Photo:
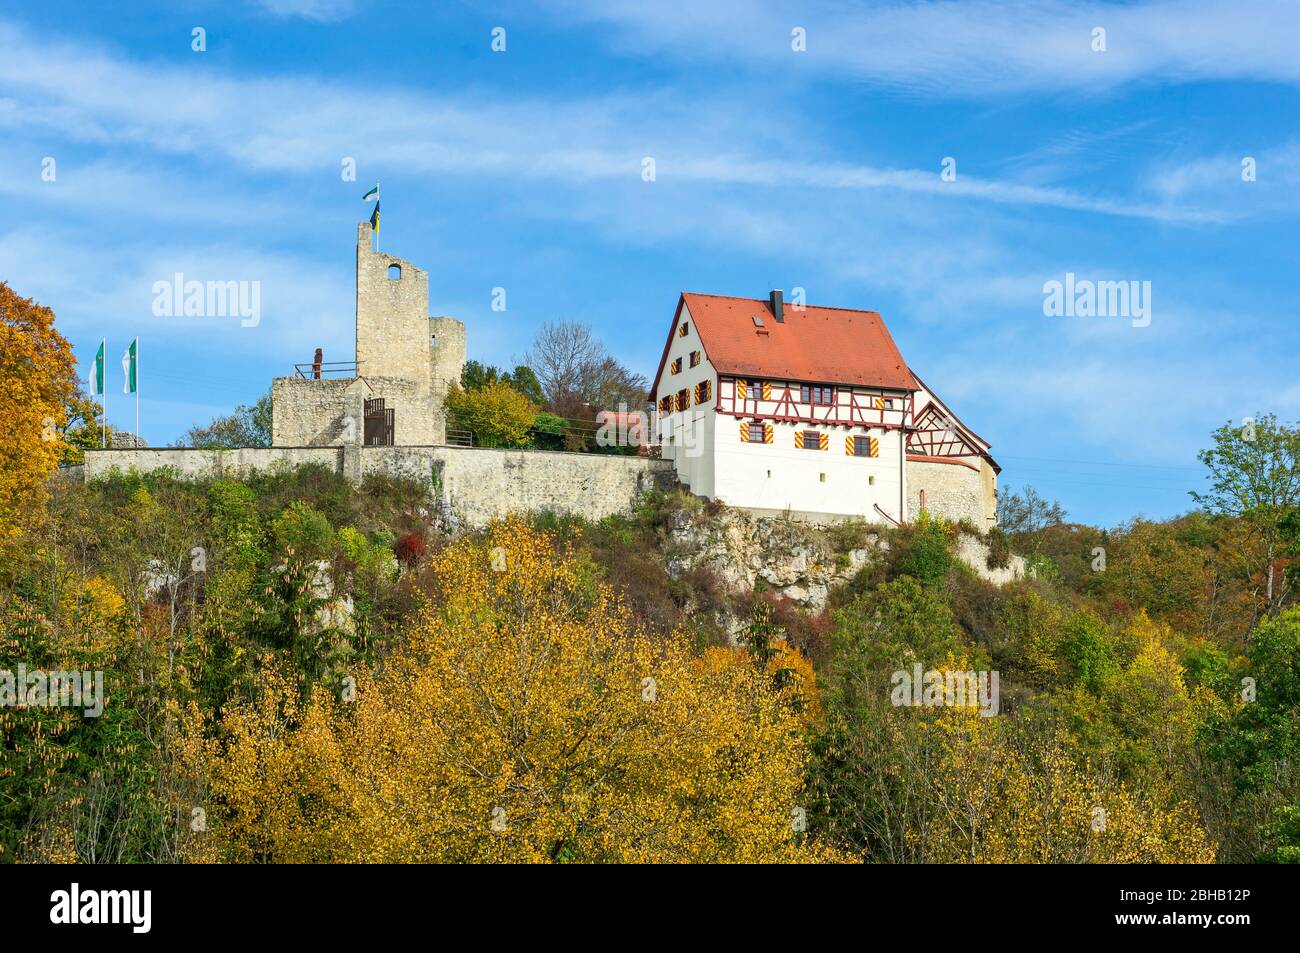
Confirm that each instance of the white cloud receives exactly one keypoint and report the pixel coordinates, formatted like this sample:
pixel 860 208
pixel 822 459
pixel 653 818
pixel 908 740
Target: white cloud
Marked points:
pixel 303 125
pixel 973 47
pixel 323 11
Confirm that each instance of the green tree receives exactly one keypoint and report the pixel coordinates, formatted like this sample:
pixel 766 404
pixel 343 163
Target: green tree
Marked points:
pixel 1255 476
pixel 476 374
pixel 248 426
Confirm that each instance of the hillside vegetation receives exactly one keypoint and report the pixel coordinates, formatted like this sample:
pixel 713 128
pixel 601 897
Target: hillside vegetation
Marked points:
pixel 299 669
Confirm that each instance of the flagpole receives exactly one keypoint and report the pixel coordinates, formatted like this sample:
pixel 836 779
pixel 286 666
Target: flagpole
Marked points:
pixel 103 392
pixel 378 196
pixel 136 368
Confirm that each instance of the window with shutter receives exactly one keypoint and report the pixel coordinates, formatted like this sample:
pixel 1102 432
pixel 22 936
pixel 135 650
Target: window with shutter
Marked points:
pixel 676 366
pixel 683 399
pixel 666 405
pixel 695 358
pixel 684 328
pixel 703 391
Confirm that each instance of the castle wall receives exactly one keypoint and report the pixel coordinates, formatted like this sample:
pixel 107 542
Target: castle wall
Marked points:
pixel 208 464
pixel 472 484
pixel 952 490
pixel 307 413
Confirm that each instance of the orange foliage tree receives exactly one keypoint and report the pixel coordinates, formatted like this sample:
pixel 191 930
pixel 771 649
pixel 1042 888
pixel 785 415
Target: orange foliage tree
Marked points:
pixel 36 382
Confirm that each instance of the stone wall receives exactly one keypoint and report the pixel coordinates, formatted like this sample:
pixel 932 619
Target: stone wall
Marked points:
pixel 471 485
pixel 204 464
pixel 952 490
pixel 478 484
pixel 307 413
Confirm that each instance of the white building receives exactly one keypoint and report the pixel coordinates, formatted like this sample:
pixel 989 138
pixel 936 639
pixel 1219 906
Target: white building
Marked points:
pixel 811 410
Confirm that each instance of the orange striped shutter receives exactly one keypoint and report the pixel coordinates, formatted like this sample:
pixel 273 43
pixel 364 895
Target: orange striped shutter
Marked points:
pixel 744 432
pixel 768 433
pixel 798 439
pixel 767 390
pixel 875 446
pixel 824 441
pixel 848 445
pixel 740 389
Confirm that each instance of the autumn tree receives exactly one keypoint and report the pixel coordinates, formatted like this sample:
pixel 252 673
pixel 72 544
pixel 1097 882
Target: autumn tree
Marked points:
pixel 528 718
pixel 36 383
pixel 497 414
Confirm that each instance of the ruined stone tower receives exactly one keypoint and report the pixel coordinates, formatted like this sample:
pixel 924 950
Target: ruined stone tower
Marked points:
pixel 405 363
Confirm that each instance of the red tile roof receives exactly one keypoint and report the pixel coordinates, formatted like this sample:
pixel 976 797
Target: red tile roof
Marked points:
pixel 827 345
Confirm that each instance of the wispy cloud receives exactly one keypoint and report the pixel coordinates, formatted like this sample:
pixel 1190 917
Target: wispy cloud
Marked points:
pixel 324 11
pixel 968 48
pixel 306 125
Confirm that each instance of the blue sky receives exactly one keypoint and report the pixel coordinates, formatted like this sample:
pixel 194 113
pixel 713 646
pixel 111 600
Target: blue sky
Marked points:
pixel 817 169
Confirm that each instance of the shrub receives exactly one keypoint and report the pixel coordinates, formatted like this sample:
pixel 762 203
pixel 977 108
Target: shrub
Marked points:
pixel 999 556
pixel 305 531
pixel 923 552
pixel 410 549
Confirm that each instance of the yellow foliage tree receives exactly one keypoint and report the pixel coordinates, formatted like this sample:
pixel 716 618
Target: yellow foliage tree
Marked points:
pixel 1000 796
pixel 528 718
pixel 498 414
pixel 36 381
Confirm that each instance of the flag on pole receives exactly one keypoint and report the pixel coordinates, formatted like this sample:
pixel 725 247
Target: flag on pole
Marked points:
pixel 128 368
pixel 374 219
pixel 372 195
pixel 97 372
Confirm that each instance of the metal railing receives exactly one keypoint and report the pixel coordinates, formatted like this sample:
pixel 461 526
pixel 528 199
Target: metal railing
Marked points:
pixel 326 369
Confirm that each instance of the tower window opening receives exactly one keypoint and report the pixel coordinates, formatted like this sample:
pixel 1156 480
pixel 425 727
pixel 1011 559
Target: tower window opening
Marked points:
pixel 394 272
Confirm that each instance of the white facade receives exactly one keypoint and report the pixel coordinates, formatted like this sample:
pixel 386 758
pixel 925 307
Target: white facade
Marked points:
pixel 790 469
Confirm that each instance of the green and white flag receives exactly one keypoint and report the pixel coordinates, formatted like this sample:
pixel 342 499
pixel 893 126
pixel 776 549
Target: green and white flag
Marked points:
pixel 97 372
pixel 372 195
pixel 128 368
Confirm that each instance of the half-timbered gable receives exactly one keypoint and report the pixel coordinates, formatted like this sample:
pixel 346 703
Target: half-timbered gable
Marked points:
pixel 775 406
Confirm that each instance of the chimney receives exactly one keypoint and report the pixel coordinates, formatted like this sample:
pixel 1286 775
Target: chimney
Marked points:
pixel 778 308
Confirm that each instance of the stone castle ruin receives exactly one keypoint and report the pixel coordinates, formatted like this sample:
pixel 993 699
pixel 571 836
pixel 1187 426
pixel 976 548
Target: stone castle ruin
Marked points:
pixel 384 413
pixel 393 393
